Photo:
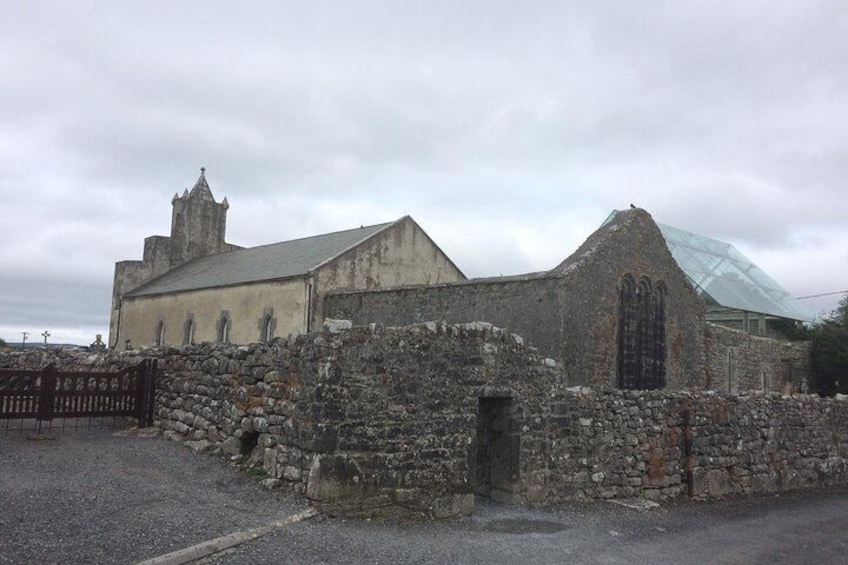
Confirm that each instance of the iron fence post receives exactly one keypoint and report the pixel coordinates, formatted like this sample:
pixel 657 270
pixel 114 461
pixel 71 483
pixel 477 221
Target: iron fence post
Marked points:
pixel 46 395
pixel 146 382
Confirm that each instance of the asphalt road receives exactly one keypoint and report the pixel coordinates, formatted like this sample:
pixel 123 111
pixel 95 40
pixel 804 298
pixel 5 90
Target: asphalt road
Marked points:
pixel 783 530
pixel 91 497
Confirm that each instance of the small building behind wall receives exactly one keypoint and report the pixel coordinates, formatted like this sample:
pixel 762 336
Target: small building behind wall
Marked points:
pixel 618 312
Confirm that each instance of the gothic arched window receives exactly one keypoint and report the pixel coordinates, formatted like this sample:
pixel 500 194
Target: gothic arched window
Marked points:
pixel 160 333
pixel 641 334
pixel 267 325
pixel 627 333
pixel 659 347
pixel 188 332
pixel 224 328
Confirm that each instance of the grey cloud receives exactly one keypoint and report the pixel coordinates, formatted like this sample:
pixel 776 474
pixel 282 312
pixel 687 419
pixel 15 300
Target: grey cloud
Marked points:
pixel 727 119
pixel 50 303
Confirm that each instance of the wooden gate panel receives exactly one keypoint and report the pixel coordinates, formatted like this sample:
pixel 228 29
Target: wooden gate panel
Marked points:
pixel 48 394
pixel 19 393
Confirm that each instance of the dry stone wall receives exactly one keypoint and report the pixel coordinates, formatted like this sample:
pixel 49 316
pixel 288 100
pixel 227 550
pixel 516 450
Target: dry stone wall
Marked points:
pixel 416 420
pixel 243 401
pixel 746 444
pixel 738 361
pixel 613 444
pixel 610 444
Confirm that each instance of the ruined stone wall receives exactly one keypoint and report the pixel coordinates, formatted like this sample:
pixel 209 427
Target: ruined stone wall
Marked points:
pixel 65 359
pixel 738 361
pixel 527 306
pixel 768 443
pixel 238 401
pixel 618 444
pixel 631 245
pixel 364 421
pixel 608 444
pixel 252 401
pixel 388 421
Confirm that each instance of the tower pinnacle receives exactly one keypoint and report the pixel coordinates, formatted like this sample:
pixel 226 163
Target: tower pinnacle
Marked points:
pixel 201 187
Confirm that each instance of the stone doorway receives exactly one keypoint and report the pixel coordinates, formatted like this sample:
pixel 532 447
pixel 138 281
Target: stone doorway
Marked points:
pixel 497 449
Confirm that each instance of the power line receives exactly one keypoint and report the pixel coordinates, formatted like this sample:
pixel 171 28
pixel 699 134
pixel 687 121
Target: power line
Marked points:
pixel 823 294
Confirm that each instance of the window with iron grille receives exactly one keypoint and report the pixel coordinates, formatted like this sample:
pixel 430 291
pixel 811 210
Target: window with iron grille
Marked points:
pixel 641 334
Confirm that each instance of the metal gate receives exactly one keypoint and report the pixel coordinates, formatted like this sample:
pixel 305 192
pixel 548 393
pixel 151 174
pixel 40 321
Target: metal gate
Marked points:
pixel 48 394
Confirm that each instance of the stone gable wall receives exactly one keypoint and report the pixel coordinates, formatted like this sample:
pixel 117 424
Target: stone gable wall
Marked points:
pixel 631 245
pixel 385 422
pixel 399 255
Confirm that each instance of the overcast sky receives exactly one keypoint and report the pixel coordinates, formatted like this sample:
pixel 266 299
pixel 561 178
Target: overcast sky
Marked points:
pixel 508 130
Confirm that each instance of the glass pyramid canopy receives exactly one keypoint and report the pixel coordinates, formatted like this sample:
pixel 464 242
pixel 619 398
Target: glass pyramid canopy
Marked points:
pixel 725 278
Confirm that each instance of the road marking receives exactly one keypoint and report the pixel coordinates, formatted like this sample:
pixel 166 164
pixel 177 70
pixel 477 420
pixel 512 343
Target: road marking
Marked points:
pixel 217 545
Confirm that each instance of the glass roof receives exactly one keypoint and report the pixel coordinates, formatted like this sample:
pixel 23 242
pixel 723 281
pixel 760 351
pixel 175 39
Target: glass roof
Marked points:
pixel 726 278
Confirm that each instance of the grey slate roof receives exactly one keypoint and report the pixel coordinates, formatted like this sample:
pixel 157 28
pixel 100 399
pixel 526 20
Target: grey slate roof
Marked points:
pixel 266 262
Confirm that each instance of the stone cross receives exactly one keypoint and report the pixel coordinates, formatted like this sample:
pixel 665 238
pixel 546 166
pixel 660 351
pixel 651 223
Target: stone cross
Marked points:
pixel 98 344
pixel 45 335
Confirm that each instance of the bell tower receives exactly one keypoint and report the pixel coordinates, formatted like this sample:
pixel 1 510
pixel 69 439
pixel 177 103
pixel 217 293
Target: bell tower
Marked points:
pixel 198 223
pixel 198 227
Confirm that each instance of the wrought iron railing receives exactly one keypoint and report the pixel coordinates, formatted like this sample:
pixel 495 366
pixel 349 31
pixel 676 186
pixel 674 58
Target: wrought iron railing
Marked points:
pixel 48 394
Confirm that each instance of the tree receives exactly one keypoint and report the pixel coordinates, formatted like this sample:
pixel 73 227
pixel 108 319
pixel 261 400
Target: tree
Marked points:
pixel 829 354
pixel 3 344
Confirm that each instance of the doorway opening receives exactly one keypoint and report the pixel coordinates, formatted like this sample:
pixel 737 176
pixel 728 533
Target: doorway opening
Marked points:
pixel 498 446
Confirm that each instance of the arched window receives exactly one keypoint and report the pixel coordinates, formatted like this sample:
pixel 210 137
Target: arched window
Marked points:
pixel 644 339
pixel 627 333
pixel 267 325
pixel 267 329
pixel 659 347
pixel 641 334
pixel 224 328
pixel 160 333
pixel 188 333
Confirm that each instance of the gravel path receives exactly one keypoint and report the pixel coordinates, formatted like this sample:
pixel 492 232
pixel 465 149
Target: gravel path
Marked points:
pixel 94 497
